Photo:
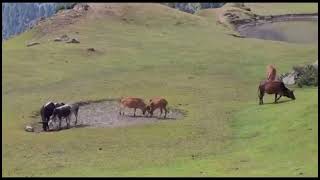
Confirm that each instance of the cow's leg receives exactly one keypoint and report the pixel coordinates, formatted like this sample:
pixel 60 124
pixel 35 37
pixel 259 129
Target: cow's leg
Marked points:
pixel 48 128
pixel 151 112
pixel 261 97
pixel 120 110
pixel 165 112
pixel 279 97
pixel 44 124
pixel 68 121
pixel 76 115
pixel 134 114
pixel 44 127
pixel 60 123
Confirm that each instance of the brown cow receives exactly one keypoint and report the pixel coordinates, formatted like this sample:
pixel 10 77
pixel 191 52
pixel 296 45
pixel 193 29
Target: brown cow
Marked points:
pixel 271 73
pixel 274 87
pixel 155 103
pixel 132 102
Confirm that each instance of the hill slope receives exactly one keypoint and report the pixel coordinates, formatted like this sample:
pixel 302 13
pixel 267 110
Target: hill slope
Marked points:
pixel 150 50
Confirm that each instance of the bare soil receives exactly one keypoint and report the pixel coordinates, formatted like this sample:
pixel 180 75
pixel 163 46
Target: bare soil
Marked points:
pixel 105 113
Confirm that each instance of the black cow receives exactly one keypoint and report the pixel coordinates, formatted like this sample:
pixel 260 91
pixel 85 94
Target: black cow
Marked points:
pixel 46 111
pixel 62 112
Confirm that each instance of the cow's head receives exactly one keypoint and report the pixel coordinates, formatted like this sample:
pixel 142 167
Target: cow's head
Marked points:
pixel 148 109
pixel 290 94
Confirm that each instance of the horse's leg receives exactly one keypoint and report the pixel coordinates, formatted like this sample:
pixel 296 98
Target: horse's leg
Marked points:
pixel 134 114
pixel 275 98
pixel 160 111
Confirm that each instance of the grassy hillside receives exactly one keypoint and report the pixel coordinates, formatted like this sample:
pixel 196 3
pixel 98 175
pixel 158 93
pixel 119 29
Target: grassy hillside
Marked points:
pixel 186 58
pixel 282 8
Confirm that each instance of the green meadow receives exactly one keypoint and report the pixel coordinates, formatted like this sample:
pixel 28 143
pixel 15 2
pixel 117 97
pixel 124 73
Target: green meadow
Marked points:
pixel 195 63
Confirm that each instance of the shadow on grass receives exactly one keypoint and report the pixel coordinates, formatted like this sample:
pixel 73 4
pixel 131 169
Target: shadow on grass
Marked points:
pixel 148 117
pixel 279 102
pixel 66 128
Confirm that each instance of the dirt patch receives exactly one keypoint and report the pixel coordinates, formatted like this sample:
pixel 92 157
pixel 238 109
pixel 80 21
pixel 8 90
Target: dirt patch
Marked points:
pixel 105 113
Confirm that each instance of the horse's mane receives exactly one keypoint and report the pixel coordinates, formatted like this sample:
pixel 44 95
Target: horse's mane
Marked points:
pixel 271 72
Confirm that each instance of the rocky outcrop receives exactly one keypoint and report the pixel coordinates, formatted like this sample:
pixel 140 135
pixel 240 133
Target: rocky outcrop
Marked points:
pixel 32 44
pixel 290 78
pixel 62 38
pixel 73 40
pixel 81 7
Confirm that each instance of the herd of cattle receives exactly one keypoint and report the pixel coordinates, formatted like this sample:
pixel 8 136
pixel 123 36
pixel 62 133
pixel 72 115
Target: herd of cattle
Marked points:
pixel 272 85
pixel 50 111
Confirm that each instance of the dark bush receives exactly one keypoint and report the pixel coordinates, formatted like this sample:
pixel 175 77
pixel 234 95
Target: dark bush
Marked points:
pixel 307 76
pixel 65 6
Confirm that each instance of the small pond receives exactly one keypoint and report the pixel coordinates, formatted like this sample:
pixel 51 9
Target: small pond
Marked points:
pixel 293 31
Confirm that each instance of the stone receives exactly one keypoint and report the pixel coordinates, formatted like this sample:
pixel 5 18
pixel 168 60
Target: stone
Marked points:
pixel 73 40
pixel 29 129
pixel 81 6
pixel 57 39
pixel 316 64
pixel 290 78
pixel 64 37
pixel 91 49
pixel 32 44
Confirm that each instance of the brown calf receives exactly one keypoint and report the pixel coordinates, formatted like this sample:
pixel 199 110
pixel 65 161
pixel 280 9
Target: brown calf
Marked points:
pixel 132 102
pixel 155 103
pixel 274 87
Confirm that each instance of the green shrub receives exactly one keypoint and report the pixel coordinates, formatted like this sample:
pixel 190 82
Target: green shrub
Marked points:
pixel 65 6
pixel 307 76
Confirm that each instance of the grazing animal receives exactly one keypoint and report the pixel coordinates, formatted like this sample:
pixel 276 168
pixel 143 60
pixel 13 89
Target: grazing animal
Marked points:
pixel 274 87
pixel 62 112
pixel 132 102
pixel 271 73
pixel 155 103
pixel 46 111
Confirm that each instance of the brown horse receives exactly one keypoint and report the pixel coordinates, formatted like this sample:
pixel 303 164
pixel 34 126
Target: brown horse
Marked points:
pixel 271 73
pixel 274 87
